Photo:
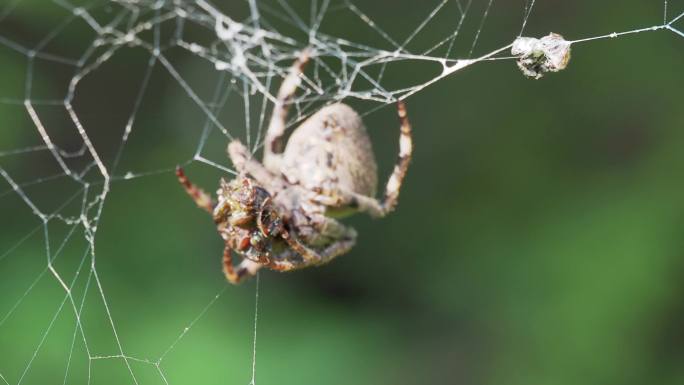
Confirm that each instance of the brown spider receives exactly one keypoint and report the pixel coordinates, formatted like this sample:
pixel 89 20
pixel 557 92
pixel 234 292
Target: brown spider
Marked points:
pixel 280 214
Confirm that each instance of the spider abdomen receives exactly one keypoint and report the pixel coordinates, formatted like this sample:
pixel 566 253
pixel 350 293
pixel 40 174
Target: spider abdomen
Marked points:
pixel 332 150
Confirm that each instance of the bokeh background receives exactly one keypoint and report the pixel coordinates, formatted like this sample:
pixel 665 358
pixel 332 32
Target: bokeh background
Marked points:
pixel 538 239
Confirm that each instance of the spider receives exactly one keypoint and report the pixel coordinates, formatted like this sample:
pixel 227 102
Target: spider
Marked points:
pixel 281 214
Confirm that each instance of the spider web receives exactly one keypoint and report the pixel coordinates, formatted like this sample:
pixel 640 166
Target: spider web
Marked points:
pixel 80 128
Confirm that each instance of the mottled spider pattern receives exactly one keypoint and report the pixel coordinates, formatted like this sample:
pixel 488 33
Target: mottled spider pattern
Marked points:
pixel 281 213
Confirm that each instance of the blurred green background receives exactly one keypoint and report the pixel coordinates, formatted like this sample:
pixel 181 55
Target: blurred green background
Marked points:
pixel 538 239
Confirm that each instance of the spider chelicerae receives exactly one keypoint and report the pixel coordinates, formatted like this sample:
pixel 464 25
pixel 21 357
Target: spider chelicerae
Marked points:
pixel 280 214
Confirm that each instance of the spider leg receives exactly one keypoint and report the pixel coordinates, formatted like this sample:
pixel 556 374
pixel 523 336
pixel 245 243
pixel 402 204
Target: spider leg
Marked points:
pixel 319 229
pixel 201 198
pixel 311 257
pixel 395 181
pixel 235 275
pixel 372 206
pixel 274 145
pixel 245 164
pixel 326 227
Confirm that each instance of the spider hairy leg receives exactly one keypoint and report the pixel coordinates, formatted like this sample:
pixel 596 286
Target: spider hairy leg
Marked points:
pixel 245 269
pixel 326 229
pixel 370 205
pixel 274 144
pixel 405 151
pixel 201 198
pixel 311 257
pixel 245 164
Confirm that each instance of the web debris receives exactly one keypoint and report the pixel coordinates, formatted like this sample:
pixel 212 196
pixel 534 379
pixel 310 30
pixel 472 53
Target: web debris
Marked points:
pixel 536 57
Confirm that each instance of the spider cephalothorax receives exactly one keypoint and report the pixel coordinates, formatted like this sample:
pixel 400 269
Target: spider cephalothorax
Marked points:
pixel 247 221
pixel 246 218
pixel 280 214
